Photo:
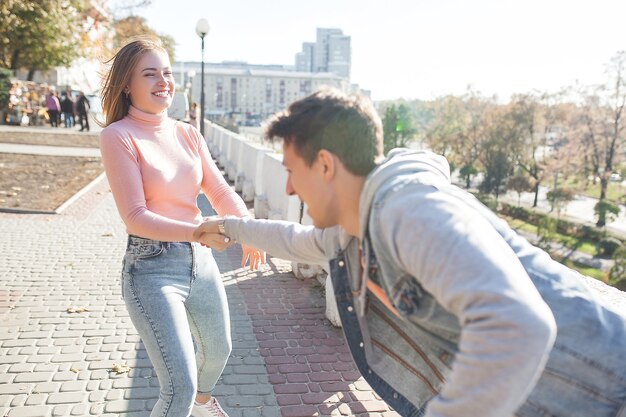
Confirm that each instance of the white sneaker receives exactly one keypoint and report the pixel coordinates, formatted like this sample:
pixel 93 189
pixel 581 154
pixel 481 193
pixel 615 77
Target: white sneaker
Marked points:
pixel 210 409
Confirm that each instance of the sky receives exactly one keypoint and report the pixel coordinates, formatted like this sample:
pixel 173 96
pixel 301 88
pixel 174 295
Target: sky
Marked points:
pixel 413 49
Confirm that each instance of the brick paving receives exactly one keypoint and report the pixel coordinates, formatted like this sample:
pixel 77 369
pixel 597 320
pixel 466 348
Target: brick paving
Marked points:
pixel 287 359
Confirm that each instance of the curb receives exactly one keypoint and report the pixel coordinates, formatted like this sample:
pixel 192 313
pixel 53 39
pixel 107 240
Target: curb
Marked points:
pixel 80 193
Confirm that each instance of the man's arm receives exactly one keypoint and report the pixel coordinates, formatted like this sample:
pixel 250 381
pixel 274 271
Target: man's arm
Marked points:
pixel 286 240
pixel 507 330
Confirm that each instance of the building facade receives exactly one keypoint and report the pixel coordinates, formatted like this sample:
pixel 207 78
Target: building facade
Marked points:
pixel 247 94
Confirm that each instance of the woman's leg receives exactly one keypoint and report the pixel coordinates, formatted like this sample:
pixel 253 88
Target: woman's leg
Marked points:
pixel 155 287
pixel 209 320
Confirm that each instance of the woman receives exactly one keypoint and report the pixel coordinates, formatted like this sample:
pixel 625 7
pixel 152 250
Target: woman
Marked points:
pixel 171 284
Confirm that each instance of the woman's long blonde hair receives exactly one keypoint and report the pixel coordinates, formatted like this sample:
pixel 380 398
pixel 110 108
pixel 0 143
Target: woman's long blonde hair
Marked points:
pixel 115 103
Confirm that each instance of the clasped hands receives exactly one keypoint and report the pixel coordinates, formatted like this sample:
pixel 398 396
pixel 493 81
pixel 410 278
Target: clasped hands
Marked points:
pixel 208 234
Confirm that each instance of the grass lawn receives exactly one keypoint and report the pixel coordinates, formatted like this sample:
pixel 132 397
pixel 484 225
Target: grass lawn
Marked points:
pixel 567 241
pixel 585 270
pixel 615 191
pixel 582 245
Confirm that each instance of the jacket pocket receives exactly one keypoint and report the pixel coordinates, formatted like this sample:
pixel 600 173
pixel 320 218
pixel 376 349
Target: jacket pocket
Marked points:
pixel 408 298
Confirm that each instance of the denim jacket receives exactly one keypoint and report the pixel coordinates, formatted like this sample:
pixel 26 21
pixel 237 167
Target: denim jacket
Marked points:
pixel 476 321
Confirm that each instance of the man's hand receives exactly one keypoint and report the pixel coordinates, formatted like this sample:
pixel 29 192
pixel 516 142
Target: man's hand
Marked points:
pixel 208 234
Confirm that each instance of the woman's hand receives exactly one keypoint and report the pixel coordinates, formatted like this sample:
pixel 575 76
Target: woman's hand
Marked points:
pixel 255 256
pixel 208 235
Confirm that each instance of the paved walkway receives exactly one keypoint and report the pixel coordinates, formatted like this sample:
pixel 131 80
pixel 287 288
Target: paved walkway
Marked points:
pixel 287 359
pixel 48 150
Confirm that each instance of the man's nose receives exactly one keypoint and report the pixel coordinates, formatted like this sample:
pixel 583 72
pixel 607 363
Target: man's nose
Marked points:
pixel 289 189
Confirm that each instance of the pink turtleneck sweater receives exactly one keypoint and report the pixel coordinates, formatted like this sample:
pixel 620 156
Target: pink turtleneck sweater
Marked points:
pixel 156 167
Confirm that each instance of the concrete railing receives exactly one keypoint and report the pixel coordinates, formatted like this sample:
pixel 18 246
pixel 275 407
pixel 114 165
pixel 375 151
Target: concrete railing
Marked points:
pixel 258 174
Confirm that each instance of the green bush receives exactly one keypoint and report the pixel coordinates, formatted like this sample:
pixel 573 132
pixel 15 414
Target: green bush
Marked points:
pixel 487 200
pixel 617 274
pixel 605 211
pixel 5 87
pixel 608 245
pixel 545 229
pixel 577 230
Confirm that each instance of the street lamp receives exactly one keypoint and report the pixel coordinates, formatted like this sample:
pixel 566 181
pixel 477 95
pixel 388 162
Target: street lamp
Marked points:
pixel 202 28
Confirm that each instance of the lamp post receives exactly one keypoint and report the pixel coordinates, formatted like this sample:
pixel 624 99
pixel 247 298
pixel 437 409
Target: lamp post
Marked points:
pixel 202 28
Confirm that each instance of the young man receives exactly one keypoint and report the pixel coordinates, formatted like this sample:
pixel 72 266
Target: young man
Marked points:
pixel 447 311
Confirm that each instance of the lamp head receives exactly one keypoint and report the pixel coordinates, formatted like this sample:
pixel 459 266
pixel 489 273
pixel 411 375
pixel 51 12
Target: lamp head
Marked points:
pixel 202 27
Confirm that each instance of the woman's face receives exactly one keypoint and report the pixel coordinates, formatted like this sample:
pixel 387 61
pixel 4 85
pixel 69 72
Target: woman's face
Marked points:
pixel 151 86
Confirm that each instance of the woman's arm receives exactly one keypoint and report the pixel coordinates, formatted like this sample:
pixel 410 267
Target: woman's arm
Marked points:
pixel 121 165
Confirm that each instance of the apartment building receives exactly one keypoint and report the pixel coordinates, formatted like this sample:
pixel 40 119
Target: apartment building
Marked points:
pixel 247 93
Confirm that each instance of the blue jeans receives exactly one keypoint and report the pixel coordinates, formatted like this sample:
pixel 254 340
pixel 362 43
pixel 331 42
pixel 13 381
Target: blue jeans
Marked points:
pixel 175 297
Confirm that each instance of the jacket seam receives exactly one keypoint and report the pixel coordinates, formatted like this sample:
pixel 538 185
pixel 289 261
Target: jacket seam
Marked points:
pixel 402 362
pixel 410 342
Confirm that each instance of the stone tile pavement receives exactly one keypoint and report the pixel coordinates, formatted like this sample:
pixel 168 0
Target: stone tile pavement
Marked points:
pixel 287 359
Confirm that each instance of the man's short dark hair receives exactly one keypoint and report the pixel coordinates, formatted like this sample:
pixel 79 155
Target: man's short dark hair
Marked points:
pixel 345 125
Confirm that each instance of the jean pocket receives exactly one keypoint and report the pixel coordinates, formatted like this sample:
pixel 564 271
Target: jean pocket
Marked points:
pixel 146 250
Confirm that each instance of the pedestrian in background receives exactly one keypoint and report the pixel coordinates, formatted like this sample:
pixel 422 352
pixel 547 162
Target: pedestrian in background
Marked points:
pixel 53 107
pixel 82 107
pixel 171 285
pixel 67 107
pixel 194 115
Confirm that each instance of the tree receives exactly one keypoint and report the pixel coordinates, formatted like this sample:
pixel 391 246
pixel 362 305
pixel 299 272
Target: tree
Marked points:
pixel 5 88
pixel 467 172
pixel 468 149
pixel 398 128
pixel 456 130
pixel 519 184
pixel 447 126
pixel 536 124
pixel 131 26
pixel 39 34
pixel 559 197
pixel 497 169
pixel 605 211
pixel 601 126
pixel 615 100
pixel 496 153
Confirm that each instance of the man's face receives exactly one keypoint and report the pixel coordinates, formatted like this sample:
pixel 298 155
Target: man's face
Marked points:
pixel 309 184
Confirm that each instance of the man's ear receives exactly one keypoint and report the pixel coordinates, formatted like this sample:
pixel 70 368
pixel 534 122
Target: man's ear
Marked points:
pixel 328 163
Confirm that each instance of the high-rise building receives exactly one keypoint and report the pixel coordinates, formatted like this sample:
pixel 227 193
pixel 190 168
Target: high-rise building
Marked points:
pixel 304 59
pixel 330 53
